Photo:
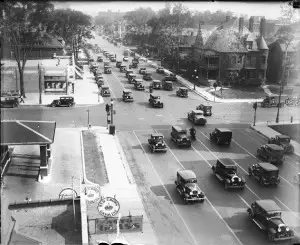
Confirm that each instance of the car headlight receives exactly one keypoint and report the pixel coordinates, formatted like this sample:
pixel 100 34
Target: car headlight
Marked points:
pixel 279 229
pixel 156 144
pixel 287 228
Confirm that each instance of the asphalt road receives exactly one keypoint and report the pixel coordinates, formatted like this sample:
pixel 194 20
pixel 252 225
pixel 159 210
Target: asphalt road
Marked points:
pixel 222 219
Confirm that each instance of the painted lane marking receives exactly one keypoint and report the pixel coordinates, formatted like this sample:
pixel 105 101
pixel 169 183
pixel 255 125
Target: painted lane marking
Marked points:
pixel 201 156
pixel 291 211
pixel 158 115
pixel 118 80
pixel 141 118
pixel 161 182
pixel 244 201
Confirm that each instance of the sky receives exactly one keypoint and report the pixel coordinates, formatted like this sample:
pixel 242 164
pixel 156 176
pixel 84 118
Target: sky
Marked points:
pixel 271 10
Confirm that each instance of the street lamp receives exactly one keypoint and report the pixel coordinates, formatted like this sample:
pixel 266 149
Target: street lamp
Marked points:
pixel 88 112
pixel 279 102
pixel 254 107
pixel 111 111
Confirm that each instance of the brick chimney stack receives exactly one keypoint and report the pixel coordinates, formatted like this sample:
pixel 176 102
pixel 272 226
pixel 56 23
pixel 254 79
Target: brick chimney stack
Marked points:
pixel 227 18
pixel 262 29
pixel 241 25
pixel 251 24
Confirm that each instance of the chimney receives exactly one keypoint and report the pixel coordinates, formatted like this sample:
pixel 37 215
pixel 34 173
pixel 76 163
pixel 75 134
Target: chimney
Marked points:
pixel 241 25
pixel 262 30
pixel 251 24
pixel 227 18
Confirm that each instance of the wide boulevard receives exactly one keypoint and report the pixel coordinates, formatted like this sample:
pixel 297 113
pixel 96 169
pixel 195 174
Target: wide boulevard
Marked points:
pixel 222 218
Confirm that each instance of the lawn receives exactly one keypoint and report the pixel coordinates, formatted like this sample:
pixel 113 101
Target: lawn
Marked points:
pixel 293 91
pixel 292 130
pixel 241 93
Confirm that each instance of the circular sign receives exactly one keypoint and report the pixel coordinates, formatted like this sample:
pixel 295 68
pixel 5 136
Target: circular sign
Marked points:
pixel 67 193
pixel 108 207
pixel 92 194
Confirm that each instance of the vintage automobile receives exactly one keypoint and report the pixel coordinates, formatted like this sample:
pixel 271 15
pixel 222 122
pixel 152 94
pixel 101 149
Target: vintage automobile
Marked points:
pixel 134 64
pixel 182 92
pixel 197 117
pixel 99 80
pixel 271 153
pixel 131 77
pixel 9 102
pixel 205 108
pixel 106 63
pixel 147 76
pixel 187 187
pixel 160 70
pixel 107 70
pixel 93 67
pixel 155 101
pixel 266 214
pixel 100 59
pixel 222 136
pixel 297 178
pixel 112 59
pixel 98 74
pixel 156 84
pixel 156 143
pixel 127 95
pixel 142 70
pixel 284 141
pixel 105 92
pixel 63 101
pixel 118 64
pixel 171 77
pixel 180 137
pixel 122 68
pixel 135 59
pixel 226 171
pixel 125 58
pixel 273 101
pixel 265 173
pixel 167 85
pixel 138 84
pixel 128 71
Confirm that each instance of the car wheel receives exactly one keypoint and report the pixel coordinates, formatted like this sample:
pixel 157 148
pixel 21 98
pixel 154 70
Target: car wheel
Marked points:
pixel 270 236
pixel 52 105
pixel 250 213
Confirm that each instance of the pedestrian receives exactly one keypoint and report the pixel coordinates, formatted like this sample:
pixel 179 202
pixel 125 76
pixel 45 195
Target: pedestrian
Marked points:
pixel 115 56
pixel 73 87
pixel 22 99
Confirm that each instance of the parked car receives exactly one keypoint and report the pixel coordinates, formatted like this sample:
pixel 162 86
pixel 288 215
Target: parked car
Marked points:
pixel 63 101
pixel 273 101
pixel 182 92
pixel 147 76
pixel 265 173
pixel 160 70
pixel 155 101
pixel 156 84
pixel 134 64
pixel 127 95
pixel 112 59
pixel 10 102
pixel 266 214
pixel 197 117
pixel 129 71
pixel 99 59
pixel 187 187
pixel 138 84
pixel 222 136
pixel 107 70
pixel 284 141
pixel 105 92
pixel 226 171
pixel 271 153
pixel 131 77
pixel 122 68
pixel 205 108
pixel 180 137
pixel 156 143
pixel 142 70
pixel 118 64
pixel 99 80
pixel 106 63
pixel 171 77
pixel 167 85
pixel 125 58
pixel 136 60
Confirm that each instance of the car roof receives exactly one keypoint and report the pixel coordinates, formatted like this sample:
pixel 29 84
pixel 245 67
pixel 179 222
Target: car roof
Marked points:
pixel 187 174
pixel 268 205
pixel 132 74
pixel 281 136
pixel 223 129
pixel 268 166
pixel 143 68
pixel 148 72
pixel 127 90
pixel 139 80
pixel 168 82
pixel 178 128
pixel 183 88
pixel 129 70
pixel 123 65
pixel 157 135
pixel 274 147
pixel 157 81
pixel 105 87
pixel 66 97
pixel 227 162
pixel 197 111
pixel 205 105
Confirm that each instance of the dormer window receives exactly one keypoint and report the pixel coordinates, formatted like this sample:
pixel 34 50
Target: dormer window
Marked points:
pixel 249 44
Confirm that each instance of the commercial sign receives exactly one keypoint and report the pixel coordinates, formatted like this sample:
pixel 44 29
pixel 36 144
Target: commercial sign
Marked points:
pixel 108 207
pixel 67 193
pixel 92 194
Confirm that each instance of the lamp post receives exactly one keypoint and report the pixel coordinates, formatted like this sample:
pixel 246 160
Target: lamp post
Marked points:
pixel 88 112
pixel 254 107
pixel 111 111
pixel 279 102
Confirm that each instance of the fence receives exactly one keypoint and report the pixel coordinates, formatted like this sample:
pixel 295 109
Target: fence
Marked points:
pixel 292 120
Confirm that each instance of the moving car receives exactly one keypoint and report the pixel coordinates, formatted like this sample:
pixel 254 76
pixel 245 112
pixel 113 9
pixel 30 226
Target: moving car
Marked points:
pixel 131 77
pixel 187 187
pixel 156 143
pixel 284 141
pixel 112 58
pixel 205 108
pixel 135 59
pixel 99 80
pixel 182 92
pixel 127 95
pixel 122 68
pixel 10 102
pixel 222 136
pixel 167 85
pixel 266 214
pixel 155 101
pixel 197 117
pixel 105 92
pixel 226 171
pixel 138 84
pixel 129 71
pixel 271 152
pixel 171 77
pixel 107 70
pixel 99 59
pixel 265 173
pixel 297 178
pixel 142 70
pixel 273 101
pixel 134 64
pixel 63 101
pixel 160 70
pixel 118 64
pixel 180 137
pixel 147 76
pixel 125 58
pixel 156 84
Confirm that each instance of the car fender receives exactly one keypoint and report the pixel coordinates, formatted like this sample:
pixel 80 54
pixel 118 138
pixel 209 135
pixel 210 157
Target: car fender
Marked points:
pixel 227 181
pixel 272 230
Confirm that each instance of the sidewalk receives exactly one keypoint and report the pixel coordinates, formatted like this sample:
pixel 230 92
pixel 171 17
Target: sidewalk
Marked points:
pixel 263 129
pixel 123 187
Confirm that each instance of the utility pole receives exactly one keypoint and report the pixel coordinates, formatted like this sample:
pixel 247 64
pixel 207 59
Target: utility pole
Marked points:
pixel 40 84
pixel 74 212
pixel 254 107
pixel 88 111
pixel 111 111
pixel 16 75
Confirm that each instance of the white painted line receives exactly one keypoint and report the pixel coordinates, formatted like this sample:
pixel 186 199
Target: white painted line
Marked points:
pixel 118 80
pixel 244 201
pixel 201 156
pixel 141 118
pixel 158 115
pixel 161 182
pixel 291 211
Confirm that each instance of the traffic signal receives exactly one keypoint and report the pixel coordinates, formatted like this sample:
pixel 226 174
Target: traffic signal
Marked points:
pixel 107 107
pixel 255 105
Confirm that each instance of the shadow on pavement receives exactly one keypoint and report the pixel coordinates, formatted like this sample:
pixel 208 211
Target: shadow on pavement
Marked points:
pixel 144 104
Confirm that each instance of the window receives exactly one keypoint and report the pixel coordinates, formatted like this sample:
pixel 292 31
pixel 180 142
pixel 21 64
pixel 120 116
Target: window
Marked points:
pixel 233 60
pixel 262 60
pixel 249 45
pixel 240 60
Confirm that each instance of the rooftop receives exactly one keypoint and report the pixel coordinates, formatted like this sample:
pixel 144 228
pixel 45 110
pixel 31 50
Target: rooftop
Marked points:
pixel 268 205
pixel 187 174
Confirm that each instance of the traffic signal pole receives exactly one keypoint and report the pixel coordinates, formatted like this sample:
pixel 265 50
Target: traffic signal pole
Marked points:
pixel 254 107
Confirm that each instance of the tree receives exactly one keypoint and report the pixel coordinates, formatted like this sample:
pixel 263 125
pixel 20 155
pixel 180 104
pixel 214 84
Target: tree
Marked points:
pixel 21 23
pixel 289 14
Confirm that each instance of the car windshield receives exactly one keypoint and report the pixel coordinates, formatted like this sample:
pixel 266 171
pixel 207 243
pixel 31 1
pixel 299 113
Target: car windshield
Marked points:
pixel 158 138
pixel 285 140
pixel 231 170
pixel 272 173
pixel 271 215
pixel 198 113
pixel 190 181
